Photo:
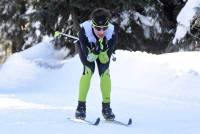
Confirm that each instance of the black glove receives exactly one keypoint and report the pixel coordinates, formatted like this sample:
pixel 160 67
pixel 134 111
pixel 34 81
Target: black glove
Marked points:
pixel 94 48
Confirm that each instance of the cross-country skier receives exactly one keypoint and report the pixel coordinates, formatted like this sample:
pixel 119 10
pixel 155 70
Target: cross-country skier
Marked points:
pixel 97 40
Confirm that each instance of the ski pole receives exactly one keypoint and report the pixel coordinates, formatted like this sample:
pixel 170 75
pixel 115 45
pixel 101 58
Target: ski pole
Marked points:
pixel 57 33
pixel 113 58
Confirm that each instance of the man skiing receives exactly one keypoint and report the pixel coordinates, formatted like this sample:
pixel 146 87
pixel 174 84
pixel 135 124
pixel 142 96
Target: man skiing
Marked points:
pixel 97 40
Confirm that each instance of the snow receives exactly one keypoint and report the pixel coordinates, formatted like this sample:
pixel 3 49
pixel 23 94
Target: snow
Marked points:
pixel 36 24
pixel 159 92
pixel 125 18
pixel 145 21
pixel 30 10
pixel 184 19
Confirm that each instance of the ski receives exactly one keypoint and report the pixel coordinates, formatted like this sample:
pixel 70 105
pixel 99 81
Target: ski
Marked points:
pixel 95 123
pixel 120 123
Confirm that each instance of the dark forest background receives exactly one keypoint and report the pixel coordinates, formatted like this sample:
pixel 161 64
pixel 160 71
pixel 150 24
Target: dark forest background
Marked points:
pixel 26 22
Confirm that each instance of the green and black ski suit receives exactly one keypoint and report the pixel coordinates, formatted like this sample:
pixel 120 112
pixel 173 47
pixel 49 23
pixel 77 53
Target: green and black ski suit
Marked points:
pixel 89 43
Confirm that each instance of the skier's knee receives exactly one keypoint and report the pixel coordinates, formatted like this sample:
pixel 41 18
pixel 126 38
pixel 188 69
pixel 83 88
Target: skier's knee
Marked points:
pixel 87 71
pixel 105 73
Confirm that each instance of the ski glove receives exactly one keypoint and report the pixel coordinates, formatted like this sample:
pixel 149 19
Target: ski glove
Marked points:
pixel 92 57
pixel 94 48
pixel 93 52
pixel 103 57
pixel 56 34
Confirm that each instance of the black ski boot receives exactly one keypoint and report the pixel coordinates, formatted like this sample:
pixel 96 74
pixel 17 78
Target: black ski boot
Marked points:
pixel 107 112
pixel 81 111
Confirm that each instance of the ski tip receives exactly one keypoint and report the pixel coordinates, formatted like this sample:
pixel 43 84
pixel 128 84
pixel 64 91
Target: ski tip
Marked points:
pixel 129 121
pixel 97 121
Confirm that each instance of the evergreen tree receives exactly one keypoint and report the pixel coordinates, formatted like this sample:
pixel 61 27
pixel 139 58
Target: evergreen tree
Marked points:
pixel 25 23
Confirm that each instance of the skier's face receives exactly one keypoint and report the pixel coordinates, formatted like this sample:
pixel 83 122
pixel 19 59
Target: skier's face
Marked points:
pixel 100 31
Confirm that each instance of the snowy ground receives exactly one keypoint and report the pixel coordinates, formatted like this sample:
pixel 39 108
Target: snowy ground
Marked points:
pixel 38 91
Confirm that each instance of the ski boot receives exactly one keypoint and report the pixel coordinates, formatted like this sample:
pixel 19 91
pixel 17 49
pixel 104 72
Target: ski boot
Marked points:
pixel 81 111
pixel 107 112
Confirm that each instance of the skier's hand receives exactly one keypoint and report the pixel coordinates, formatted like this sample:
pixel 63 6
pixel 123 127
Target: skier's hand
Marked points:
pixel 94 48
pixel 92 57
pixel 103 57
pixel 56 34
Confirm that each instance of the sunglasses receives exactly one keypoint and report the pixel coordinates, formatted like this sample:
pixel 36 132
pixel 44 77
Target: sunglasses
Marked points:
pixel 99 28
